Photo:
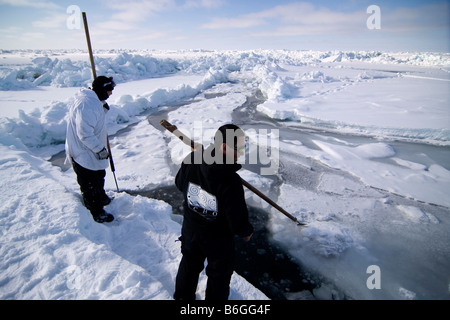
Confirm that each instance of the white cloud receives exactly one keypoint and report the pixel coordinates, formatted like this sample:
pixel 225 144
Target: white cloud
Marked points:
pixel 427 17
pixel 31 3
pixel 137 10
pixel 11 30
pixel 33 35
pixel 52 21
pixel 204 3
pixel 303 18
pixel 301 15
pixel 125 26
pixel 128 39
pixel 114 26
pixel 234 23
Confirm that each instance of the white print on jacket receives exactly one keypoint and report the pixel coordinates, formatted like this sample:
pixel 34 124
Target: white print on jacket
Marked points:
pixel 202 202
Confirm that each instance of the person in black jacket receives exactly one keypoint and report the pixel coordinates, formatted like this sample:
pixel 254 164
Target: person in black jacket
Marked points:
pixel 214 212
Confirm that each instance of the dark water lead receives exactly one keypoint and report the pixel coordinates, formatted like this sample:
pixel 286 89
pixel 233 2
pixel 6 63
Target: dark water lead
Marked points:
pixel 260 261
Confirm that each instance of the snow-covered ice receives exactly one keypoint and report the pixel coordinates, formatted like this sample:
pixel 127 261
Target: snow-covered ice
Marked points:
pixel 363 146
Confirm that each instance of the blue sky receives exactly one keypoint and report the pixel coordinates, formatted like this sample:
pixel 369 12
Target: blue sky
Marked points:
pixel 405 25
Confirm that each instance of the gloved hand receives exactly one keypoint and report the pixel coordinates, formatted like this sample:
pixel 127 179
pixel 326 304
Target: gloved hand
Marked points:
pixel 102 154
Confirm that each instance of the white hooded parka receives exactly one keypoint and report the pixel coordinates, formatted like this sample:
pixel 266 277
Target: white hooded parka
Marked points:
pixel 86 130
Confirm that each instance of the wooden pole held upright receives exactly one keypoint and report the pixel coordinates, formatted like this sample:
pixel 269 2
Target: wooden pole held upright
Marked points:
pixel 91 58
pixel 88 39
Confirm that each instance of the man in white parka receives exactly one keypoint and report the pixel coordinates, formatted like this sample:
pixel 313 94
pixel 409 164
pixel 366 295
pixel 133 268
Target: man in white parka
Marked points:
pixel 86 144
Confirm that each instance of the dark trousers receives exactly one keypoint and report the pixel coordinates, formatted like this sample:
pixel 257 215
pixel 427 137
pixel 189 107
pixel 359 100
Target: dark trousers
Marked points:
pixel 219 252
pixel 92 187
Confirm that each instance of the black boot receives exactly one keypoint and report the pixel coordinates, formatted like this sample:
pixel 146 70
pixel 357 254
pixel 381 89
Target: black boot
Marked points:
pixel 102 217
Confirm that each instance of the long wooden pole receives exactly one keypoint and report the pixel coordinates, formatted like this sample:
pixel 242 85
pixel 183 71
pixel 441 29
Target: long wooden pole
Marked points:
pixel 94 74
pixel 172 128
pixel 88 39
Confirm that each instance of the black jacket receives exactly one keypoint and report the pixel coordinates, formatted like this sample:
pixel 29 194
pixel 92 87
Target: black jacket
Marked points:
pixel 214 201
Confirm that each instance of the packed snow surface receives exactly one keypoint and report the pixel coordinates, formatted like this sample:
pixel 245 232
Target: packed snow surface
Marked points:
pixel 369 175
